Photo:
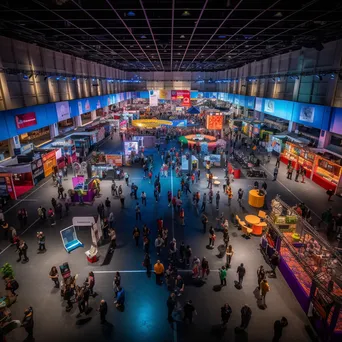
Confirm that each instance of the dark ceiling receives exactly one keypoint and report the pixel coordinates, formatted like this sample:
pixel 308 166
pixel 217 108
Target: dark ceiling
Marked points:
pixel 164 35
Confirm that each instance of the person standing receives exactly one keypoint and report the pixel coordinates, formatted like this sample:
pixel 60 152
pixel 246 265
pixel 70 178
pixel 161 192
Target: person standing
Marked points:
pixel 189 310
pixel 158 243
pixel 51 216
pixel 122 201
pixel 302 173
pixel 169 198
pixel 111 220
pixel 54 276
pixel 278 329
pixel 261 274
pixel 212 237
pixel 136 235
pixel 265 287
pixel 116 283
pixel 240 195
pixel 297 174
pixel 159 271
pixel 205 268
pixel 28 323
pixel 229 255
pixel 22 248
pixel 246 315
pixel 277 164
pixel 223 276
pixel 120 299
pixel 137 212
pixel 226 311
pixel 289 172
pixel 230 195
pixel 171 304
pixel 147 263
pixel 241 271
pixel 181 216
pixel 330 193
pixel 41 242
pixel 217 200
pixel 103 309
pixel 275 173
pixel 204 202
pixel 91 282
pixel 107 204
pixel 188 254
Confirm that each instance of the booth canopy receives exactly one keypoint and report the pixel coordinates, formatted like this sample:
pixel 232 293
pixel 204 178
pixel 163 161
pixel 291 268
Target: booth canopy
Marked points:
pixel 194 110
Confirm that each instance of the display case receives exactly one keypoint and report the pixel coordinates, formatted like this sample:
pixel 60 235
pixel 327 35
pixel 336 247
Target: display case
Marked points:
pixel 327 174
pixel 306 160
pixel 291 153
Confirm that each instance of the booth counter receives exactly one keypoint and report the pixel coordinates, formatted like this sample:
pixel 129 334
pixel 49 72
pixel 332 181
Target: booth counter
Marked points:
pixel 326 173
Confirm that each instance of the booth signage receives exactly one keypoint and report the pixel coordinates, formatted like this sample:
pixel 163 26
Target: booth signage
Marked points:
pixel 153 98
pixel 25 120
pixel 86 221
pixel 179 123
pixel 37 170
pixel 114 159
pixel 183 95
pixel 63 110
pixel 214 122
pixel 307 114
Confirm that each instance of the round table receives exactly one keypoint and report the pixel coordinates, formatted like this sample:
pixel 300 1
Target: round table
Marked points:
pixel 255 200
pixel 217 183
pixel 252 219
pixel 215 178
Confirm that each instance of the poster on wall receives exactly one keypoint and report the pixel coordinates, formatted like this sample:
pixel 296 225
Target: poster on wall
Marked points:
pixel 269 106
pixel 164 94
pixel 63 110
pixel 182 97
pixel 214 122
pixel 114 159
pixel 87 106
pixel 37 170
pixel 307 114
pixel 153 94
pixel 80 107
pixel 25 120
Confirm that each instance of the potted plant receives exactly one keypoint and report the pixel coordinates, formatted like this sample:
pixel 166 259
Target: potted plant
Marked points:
pixel 7 271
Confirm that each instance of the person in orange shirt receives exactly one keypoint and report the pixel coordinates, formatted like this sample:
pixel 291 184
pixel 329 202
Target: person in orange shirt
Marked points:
pixel 230 195
pixel 159 271
pixel 181 216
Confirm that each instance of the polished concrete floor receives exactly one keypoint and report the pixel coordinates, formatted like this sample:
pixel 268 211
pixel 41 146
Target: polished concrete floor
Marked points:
pixel 144 317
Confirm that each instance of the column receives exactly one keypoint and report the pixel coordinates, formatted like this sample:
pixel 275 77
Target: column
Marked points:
pixel 54 130
pixel 78 121
pixel 324 139
pixel 14 145
pixel 93 115
pixel 292 126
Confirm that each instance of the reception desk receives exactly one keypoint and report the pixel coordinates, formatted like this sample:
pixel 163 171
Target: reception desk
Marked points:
pixel 255 200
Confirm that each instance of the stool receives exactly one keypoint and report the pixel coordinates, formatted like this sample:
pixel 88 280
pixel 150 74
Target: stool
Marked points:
pixel 217 183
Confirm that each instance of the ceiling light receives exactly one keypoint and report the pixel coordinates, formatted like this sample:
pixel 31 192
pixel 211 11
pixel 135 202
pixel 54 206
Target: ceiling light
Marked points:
pixel 222 37
pixel 147 46
pixel 131 14
pixel 180 46
pixel 25 77
pixel 143 36
pixel 278 15
pixel 182 36
pixel 186 14
pixel 332 76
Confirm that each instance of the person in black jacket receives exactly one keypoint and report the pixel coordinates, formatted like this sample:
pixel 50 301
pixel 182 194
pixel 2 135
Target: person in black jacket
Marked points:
pixel 226 311
pixel 28 323
pixel 103 311
pixel 171 303
pixel 22 248
pixel 278 328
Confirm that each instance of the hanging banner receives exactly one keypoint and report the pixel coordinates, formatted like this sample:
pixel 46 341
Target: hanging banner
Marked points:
pixel 63 110
pixel 182 97
pixel 25 120
pixel 307 114
pixel 153 98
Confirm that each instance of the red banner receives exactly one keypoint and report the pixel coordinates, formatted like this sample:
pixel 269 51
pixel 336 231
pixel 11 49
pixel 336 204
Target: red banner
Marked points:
pixel 26 120
pixel 183 95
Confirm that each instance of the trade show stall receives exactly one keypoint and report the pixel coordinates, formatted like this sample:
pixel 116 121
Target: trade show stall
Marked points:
pixel 84 190
pixel 310 265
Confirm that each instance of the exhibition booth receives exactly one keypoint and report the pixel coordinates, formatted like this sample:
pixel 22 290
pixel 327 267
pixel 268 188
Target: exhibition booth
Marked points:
pixel 84 190
pixel 200 141
pixel 66 149
pixel 310 266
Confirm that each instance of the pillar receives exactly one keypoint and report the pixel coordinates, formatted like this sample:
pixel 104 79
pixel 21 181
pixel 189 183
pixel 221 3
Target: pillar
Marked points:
pixel 93 115
pixel 78 121
pixel 54 130
pixel 14 145
pixel 292 126
pixel 324 139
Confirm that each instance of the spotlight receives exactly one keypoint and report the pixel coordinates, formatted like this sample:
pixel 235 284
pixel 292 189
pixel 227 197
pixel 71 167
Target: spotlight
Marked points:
pixel 332 76
pixel 57 78
pixel 74 78
pixel 279 79
pixel 93 79
pixel 25 77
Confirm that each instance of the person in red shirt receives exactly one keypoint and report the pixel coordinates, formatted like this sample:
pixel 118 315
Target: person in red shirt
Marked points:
pixel 174 202
pixel 181 216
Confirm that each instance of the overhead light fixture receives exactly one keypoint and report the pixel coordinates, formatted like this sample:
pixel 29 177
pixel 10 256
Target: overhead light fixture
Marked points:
pixel 279 79
pixel 319 77
pixel 278 15
pixel 131 14
pixel 25 77
pixel 57 78
pixel 222 36
pixel 143 37
pixel 74 78
pixel 182 36
pixel 186 14
pixel 332 76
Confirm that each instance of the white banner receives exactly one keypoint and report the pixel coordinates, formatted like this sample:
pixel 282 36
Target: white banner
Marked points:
pixel 154 98
pixel 307 114
pixel 63 110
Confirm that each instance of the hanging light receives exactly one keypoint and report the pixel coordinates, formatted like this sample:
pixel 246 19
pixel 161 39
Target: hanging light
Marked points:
pixel 186 14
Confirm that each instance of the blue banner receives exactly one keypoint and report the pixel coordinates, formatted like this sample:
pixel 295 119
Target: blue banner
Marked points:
pixel 179 123
pixel 311 115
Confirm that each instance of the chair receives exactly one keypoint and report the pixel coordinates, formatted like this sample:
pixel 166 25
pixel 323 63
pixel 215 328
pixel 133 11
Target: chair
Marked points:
pixel 246 231
pixel 262 214
pixel 240 223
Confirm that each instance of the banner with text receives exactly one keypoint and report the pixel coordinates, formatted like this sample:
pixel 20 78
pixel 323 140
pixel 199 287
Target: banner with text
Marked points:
pixel 182 97
pixel 153 98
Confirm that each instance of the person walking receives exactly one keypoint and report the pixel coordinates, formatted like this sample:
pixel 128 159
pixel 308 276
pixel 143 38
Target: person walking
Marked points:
pixel 41 242
pixel 241 271
pixel 204 223
pixel 158 243
pixel 51 216
pixel 171 304
pixel 229 255
pixel 120 299
pixel 275 173
pixel 246 315
pixel 212 237
pixel 205 268
pixel 54 276
pixel 107 204
pixel 28 323
pixel 261 275
pixel 240 195
pixel 223 276
pixel 265 288
pixel 302 173
pixel 330 193
pixel 137 212
pixel 297 174
pixel 182 216
pixel 143 198
pixel 159 271
pixel 136 235
pixel 91 282
pixel 111 220
pixel 204 202
pixel 116 283
pixel 278 328
pixel 217 198
pixel 103 309
pixel 230 195
pixel 189 310
pixel 147 263
pixel 277 164
pixel 226 311
pixel 22 250
pixel 289 172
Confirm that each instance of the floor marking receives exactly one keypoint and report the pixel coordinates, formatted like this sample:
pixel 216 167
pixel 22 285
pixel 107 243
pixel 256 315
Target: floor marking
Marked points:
pixel 35 190
pixel 289 191
pixel 32 224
